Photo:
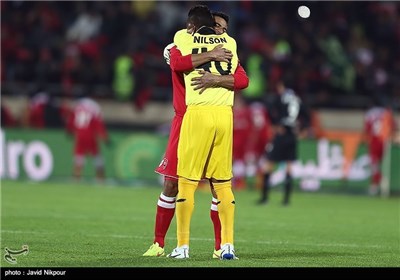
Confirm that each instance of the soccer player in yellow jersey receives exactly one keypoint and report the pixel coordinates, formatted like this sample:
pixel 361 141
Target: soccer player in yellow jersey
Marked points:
pixel 205 144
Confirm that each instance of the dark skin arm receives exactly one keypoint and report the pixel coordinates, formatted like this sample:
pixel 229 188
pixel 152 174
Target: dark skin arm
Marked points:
pixel 208 80
pixel 238 80
pixel 216 54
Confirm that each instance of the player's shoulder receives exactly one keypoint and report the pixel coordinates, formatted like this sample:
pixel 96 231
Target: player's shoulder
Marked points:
pixel 181 34
pixel 229 38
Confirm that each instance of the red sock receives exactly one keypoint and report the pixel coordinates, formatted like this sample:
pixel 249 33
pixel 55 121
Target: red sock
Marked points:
pixel 216 222
pixel 165 213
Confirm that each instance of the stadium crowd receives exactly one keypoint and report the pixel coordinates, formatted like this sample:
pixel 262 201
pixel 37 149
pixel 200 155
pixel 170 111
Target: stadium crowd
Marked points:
pixel 343 54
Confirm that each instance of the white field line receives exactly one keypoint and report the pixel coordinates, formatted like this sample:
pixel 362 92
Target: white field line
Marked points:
pixel 344 245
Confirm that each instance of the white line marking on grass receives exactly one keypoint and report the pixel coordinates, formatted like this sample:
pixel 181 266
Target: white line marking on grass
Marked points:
pixel 209 239
pixel 321 244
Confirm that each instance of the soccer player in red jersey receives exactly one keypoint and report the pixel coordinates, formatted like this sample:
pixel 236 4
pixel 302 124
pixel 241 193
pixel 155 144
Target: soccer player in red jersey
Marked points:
pixel 242 127
pixel 379 128
pixel 168 166
pixel 87 125
pixel 260 135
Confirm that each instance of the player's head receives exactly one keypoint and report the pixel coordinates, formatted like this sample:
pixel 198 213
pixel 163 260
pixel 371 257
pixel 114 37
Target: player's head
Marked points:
pixel 221 22
pixel 199 16
pixel 285 82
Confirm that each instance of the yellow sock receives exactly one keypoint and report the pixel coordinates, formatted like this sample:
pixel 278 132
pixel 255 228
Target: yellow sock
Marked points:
pixel 184 209
pixel 226 210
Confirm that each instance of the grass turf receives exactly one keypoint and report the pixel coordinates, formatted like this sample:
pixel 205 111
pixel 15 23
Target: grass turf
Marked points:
pixel 86 225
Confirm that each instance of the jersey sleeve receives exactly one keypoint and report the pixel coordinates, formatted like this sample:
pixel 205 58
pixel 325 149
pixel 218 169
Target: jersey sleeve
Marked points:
pixel 241 81
pixel 180 63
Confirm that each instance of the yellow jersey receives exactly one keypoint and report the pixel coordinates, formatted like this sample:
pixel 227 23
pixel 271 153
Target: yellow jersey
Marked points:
pixel 199 43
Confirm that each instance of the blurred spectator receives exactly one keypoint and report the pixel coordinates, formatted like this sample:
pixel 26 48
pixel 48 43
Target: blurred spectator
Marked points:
pixel 85 26
pixel 344 51
pixel 87 126
pixel 34 115
pixel 124 80
pixel 7 118
pixel 45 111
pixel 255 68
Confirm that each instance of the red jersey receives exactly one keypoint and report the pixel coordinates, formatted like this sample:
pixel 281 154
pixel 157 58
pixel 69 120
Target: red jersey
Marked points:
pixel 87 125
pixel 379 124
pixel 179 64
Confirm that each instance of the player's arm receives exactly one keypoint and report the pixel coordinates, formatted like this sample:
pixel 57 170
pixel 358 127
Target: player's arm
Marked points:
pixel 217 54
pixel 180 63
pixel 238 80
pixel 305 121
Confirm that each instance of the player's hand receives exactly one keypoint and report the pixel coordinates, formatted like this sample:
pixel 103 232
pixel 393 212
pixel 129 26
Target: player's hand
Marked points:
pixel 167 54
pixel 221 54
pixel 206 80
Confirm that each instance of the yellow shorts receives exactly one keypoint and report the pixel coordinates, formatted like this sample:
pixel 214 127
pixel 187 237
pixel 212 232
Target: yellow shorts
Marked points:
pixel 205 143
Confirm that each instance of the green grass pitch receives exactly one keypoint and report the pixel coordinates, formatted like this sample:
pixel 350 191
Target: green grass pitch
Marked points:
pixel 86 225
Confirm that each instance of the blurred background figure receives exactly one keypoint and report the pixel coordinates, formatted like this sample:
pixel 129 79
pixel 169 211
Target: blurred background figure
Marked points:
pixel 34 115
pixel 7 118
pixel 242 124
pixel 379 131
pixel 260 135
pixel 44 110
pixel 86 124
pixel 285 112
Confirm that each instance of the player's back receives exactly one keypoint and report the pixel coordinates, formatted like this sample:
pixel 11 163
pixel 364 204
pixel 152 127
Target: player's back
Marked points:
pixel 287 108
pixel 87 120
pixel 379 123
pixel 202 41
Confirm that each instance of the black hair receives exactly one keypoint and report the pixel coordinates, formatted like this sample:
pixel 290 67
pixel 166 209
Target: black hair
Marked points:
pixel 222 15
pixel 200 15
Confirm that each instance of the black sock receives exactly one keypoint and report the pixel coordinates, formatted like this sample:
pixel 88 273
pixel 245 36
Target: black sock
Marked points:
pixel 265 190
pixel 288 189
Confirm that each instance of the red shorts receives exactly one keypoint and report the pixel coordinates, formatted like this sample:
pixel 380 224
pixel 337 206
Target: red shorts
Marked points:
pixel 376 150
pixel 86 147
pixel 169 163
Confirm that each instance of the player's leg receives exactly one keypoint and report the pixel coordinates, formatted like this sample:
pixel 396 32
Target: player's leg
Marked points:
pixel 93 150
pixel 164 215
pixel 267 169
pixel 289 154
pixel 79 162
pixel 239 174
pixel 226 212
pixel 376 154
pixel 288 184
pixel 166 201
pixel 99 166
pixel 219 168
pixel 195 142
pixel 184 209
pixel 216 223
pixel 273 153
